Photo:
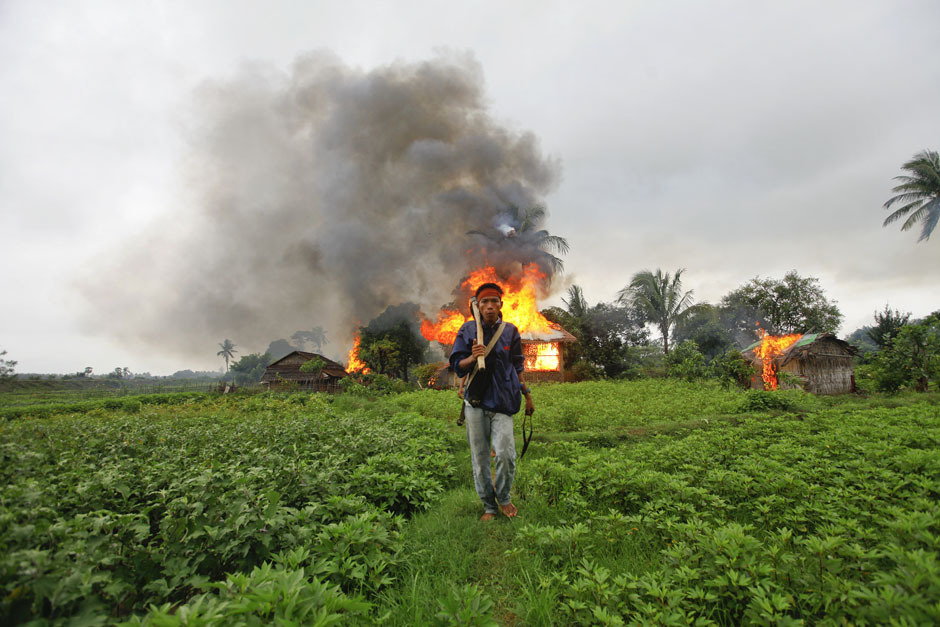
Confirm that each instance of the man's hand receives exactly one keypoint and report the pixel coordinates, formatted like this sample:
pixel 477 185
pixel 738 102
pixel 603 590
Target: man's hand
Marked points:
pixel 529 407
pixel 476 350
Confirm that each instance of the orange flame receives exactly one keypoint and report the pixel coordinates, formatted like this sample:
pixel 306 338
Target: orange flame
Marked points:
pixel 520 306
pixel 772 346
pixel 542 356
pixel 355 364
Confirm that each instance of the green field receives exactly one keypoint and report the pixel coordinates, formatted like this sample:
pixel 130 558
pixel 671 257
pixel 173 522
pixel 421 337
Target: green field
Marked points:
pixel 649 502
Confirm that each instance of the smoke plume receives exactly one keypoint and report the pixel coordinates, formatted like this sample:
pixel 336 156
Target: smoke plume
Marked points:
pixel 318 197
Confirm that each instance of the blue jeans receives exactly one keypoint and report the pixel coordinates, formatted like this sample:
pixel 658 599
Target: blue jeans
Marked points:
pixel 486 429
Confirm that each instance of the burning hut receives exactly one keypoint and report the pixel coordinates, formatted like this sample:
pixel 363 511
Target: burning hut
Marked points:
pixel 286 371
pixel 544 353
pixel 821 362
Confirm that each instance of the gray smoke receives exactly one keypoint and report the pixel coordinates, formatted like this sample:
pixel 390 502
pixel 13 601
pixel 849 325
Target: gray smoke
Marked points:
pixel 320 196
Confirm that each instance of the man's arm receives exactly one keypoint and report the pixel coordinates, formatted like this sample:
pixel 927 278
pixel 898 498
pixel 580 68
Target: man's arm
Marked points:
pixel 518 362
pixel 465 353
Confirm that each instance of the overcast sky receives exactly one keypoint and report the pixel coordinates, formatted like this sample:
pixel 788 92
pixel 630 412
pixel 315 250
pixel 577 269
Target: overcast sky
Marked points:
pixel 734 139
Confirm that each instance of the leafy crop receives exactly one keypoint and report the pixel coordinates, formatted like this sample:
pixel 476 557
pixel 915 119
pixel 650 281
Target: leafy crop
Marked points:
pixel 831 518
pixel 109 512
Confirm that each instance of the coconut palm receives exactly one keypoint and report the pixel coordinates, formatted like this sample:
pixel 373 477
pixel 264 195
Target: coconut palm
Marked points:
pixel 660 299
pixel 576 304
pixel 919 193
pixel 228 352
pixel 521 229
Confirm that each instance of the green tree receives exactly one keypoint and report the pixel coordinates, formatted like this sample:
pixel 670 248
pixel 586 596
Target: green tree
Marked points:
pixel 520 229
pixel 703 325
pixel 685 361
pixel 792 305
pixel 7 367
pixel 887 325
pixel 392 341
pixel 604 333
pixel 250 368
pixel 228 352
pixel 660 298
pixel 378 352
pixel 912 358
pixel 918 194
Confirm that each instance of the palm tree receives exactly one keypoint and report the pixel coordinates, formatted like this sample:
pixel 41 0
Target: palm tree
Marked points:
pixel 660 298
pixel 576 304
pixel 919 193
pixel 521 229
pixel 228 352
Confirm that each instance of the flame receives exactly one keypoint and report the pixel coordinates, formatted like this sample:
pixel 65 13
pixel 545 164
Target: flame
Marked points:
pixel 355 364
pixel 770 347
pixel 445 330
pixel 542 356
pixel 519 304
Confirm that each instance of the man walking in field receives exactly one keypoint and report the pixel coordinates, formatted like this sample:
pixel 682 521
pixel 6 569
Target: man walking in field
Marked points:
pixel 491 398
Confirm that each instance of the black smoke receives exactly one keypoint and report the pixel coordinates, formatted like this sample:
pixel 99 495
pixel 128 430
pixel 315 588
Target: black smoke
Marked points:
pixel 320 196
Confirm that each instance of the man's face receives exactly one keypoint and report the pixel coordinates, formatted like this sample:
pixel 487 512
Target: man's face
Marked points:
pixel 489 308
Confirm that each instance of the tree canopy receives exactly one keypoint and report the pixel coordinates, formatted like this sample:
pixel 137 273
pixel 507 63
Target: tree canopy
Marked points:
pixel 660 298
pixel 918 193
pixel 791 305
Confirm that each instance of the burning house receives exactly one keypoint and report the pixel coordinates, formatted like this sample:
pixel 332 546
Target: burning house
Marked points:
pixel 286 371
pixel 820 363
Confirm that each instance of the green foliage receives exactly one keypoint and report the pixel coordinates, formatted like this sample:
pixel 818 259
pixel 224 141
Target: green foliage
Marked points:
pixel 115 512
pixel 315 365
pixel 918 193
pixel 703 324
pixel 912 358
pixel 732 368
pixel 822 519
pixel 6 367
pixel 791 305
pixel 887 325
pixel 426 372
pixel 392 343
pixel 466 605
pixel 660 298
pixel 772 400
pixel 250 368
pixel 685 361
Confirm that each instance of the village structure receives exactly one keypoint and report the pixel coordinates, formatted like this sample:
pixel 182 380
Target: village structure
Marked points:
pixel 286 372
pixel 819 363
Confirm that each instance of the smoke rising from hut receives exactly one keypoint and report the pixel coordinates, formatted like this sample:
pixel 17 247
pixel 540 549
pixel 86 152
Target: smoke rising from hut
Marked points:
pixel 320 196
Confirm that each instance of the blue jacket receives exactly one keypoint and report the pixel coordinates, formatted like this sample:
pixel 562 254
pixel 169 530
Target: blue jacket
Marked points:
pixel 503 365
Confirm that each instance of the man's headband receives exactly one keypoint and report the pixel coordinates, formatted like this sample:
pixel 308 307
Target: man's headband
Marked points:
pixel 489 292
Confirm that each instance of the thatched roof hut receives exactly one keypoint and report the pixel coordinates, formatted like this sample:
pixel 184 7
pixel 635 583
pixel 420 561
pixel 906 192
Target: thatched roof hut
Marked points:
pixel 821 362
pixel 286 372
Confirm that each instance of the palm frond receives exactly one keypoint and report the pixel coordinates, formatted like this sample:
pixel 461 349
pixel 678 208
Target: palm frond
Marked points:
pixel 900 213
pixel 930 220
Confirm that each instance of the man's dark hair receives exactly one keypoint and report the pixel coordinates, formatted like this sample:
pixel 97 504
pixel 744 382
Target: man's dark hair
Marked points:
pixel 492 286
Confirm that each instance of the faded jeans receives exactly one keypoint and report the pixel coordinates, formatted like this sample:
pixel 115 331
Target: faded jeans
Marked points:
pixel 487 429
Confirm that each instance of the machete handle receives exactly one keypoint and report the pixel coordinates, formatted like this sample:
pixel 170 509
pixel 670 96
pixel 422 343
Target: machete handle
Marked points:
pixel 481 363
